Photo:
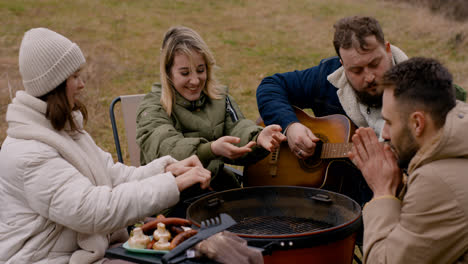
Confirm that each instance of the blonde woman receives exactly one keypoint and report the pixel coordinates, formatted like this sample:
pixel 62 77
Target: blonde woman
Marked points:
pixel 189 113
pixel 63 198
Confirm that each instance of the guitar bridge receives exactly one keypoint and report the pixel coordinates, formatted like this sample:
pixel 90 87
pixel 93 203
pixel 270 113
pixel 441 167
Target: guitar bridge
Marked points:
pixel 273 170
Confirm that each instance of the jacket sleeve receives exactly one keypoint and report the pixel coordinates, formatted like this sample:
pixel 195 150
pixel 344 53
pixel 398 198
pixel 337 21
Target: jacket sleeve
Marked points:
pixel 425 228
pixel 120 173
pixel 157 136
pixel 59 192
pixel 277 93
pixel 247 131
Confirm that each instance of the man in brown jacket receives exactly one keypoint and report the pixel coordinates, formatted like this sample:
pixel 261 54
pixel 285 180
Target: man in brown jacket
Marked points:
pixel 425 128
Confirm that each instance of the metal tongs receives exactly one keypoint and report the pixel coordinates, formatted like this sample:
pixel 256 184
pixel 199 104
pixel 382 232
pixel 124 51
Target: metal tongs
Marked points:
pixel 208 228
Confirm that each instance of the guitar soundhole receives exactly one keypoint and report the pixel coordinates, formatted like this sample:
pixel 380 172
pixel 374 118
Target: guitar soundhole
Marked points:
pixel 310 164
pixel 322 137
pixel 314 161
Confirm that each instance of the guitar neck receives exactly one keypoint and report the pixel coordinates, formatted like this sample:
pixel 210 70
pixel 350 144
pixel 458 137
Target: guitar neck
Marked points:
pixel 335 150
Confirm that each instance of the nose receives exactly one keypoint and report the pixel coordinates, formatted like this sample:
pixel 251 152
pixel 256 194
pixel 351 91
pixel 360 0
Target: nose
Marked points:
pixel 385 132
pixel 81 82
pixel 194 80
pixel 369 76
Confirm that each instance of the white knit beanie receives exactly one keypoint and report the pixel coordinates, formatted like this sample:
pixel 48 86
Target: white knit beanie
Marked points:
pixel 46 59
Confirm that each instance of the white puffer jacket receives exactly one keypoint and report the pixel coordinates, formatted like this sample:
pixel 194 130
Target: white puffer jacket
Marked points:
pixel 63 198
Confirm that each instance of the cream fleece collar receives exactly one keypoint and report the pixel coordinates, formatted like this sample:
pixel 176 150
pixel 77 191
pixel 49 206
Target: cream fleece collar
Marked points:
pixel 349 101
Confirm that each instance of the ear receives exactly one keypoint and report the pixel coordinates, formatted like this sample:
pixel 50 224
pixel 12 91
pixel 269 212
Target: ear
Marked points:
pixel 341 61
pixel 387 47
pixel 417 123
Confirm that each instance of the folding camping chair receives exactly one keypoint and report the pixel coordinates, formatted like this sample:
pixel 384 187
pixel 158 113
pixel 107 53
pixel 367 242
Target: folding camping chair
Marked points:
pixel 129 108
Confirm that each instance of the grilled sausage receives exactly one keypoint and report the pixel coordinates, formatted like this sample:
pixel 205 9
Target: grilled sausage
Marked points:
pixel 175 230
pixel 182 237
pixel 149 227
pixel 151 219
pixel 160 216
pixel 150 244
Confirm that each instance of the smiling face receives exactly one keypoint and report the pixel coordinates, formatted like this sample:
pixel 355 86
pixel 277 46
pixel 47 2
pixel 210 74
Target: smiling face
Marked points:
pixel 364 69
pixel 188 75
pixel 75 84
pixel 396 130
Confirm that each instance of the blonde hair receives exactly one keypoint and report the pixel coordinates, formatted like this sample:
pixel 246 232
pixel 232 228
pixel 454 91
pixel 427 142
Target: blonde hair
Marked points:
pixel 187 41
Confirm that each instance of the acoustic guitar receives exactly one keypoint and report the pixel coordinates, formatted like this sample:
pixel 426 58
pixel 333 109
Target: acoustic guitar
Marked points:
pixel 327 168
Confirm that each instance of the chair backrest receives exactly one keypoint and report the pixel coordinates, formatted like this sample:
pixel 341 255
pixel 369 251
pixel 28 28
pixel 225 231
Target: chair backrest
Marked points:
pixel 130 105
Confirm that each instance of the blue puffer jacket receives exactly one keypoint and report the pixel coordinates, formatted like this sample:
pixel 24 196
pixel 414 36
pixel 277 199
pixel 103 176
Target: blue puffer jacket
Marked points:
pixel 305 89
pixel 309 88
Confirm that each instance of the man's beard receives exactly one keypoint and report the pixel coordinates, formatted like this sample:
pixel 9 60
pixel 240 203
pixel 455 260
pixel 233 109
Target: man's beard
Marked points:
pixel 408 150
pixel 368 99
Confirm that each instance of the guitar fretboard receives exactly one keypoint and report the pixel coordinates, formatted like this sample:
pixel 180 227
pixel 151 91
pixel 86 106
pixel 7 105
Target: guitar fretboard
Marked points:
pixel 335 150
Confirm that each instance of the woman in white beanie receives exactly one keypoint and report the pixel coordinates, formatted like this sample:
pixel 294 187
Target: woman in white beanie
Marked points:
pixel 63 198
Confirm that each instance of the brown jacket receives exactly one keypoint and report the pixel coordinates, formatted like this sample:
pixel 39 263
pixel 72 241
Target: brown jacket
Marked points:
pixel 430 223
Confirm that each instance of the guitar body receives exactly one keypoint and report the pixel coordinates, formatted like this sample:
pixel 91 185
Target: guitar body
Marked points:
pixel 282 167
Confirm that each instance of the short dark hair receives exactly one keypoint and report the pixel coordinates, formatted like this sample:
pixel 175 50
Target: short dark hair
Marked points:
pixel 422 83
pixel 59 110
pixel 350 30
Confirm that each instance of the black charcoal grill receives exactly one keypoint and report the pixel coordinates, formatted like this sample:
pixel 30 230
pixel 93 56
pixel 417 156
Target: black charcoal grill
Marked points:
pixel 296 221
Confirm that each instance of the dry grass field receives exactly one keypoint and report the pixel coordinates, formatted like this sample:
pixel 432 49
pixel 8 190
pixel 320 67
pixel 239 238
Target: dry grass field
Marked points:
pixel 250 40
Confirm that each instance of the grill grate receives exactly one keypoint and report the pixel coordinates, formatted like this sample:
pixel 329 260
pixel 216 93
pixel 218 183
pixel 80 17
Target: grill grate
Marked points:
pixel 277 225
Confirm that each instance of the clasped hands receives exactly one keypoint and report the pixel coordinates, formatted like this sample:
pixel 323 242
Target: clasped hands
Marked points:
pixel 376 161
pixel 269 138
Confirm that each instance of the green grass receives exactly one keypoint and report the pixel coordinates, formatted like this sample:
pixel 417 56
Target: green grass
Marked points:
pixel 250 40
pixel 16 8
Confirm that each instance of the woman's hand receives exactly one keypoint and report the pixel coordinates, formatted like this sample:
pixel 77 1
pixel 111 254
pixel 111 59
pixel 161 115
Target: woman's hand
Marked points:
pixel 271 137
pixel 180 167
pixel 193 176
pixel 188 172
pixel 223 146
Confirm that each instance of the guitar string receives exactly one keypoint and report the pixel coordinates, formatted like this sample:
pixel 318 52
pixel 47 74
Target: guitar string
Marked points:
pixel 335 150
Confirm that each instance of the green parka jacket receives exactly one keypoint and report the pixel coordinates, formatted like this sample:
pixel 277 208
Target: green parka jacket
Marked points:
pixel 191 129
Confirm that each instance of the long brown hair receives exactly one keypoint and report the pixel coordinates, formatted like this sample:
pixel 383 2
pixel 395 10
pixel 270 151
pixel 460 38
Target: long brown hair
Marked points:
pixel 187 41
pixel 59 111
